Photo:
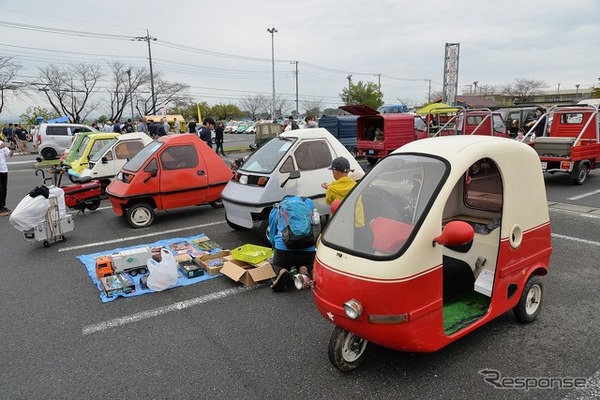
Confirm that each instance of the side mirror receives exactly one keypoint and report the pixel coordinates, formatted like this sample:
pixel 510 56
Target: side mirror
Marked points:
pixel 455 233
pixel 153 169
pixel 104 160
pixel 295 174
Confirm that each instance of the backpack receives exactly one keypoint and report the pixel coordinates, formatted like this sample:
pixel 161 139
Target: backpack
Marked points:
pixel 294 223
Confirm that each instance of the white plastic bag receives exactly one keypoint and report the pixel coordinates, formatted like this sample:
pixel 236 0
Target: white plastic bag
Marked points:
pixel 29 213
pixel 163 274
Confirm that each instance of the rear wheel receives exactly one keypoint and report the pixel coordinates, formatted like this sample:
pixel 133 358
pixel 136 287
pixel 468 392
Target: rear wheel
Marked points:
pixel 93 205
pixel 372 160
pixel 263 231
pixel 582 174
pixel 346 350
pixel 48 153
pixel 140 215
pixel 530 303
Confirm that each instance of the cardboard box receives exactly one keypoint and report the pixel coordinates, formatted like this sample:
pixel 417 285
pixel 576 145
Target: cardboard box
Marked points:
pixel 247 274
pixel 188 266
pixel 210 262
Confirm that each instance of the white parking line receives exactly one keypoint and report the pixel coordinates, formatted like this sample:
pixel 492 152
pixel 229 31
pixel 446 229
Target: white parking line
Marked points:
pixel 578 240
pixel 581 196
pixel 181 305
pixel 127 239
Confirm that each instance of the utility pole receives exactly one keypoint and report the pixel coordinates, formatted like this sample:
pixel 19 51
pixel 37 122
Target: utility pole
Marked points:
pixel 147 39
pixel 428 91
pixel 296 62
pixel 130 93
pixel 378 83
pixel 273 31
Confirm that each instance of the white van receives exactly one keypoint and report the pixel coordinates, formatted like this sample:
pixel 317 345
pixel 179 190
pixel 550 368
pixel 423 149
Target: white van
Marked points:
pixel 106 163
pixel 294 163
pixel 53 139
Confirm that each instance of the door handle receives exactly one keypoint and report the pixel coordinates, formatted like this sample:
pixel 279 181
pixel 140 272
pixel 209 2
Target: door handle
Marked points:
pixel 201 172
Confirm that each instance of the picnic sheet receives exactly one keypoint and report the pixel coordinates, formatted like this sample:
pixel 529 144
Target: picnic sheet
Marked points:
pixel 188 245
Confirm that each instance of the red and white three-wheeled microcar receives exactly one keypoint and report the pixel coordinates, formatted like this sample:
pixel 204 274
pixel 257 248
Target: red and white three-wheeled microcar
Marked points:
pixel 439 238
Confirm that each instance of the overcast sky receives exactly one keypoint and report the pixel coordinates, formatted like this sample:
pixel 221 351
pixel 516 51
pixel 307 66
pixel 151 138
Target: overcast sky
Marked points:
pixel 222 49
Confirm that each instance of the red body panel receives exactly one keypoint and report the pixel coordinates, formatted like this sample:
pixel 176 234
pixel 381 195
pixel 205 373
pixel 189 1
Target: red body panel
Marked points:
pixel 420 296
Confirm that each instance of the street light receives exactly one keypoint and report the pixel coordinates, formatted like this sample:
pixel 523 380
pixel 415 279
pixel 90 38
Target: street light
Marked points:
pixel 349 77
pixel 273 31
pixel 576 91
pixel 475 87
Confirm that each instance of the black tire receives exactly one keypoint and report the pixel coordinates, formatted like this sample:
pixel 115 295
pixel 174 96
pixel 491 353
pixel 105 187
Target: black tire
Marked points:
pixel 530 303
pixel 263 231
pixel 235 226
pixel 346 350
pixel 46 243
pixel 93 205
pixel 354 152
pixel 48 153
pixel 372 160
pixel 140 215
pixel 217 203
pixel 582 173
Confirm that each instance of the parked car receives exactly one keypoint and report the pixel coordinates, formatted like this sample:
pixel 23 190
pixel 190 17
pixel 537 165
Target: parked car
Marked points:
pixel 53 139
pixel 295 162
pixel 172 172
pixel 108 161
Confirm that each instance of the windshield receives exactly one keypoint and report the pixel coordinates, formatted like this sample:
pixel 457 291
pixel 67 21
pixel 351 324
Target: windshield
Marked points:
pixel 84 144
pixel 140 158
pixel 102 150
pixel 378 216
pixel 267 157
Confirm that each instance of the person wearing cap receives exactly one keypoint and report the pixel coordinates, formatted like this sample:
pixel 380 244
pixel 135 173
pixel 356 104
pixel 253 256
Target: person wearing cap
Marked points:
pixel 342 183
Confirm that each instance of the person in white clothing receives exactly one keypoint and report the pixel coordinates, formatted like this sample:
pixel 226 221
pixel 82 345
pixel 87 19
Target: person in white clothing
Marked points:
pixel 4 153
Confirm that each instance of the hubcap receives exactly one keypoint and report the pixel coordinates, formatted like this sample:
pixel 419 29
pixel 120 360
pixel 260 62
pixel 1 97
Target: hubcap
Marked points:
pixel 533 299
pixel 353 347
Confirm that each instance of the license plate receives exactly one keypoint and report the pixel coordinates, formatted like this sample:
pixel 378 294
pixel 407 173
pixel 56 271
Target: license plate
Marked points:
pixel 544 165
pixel 371 152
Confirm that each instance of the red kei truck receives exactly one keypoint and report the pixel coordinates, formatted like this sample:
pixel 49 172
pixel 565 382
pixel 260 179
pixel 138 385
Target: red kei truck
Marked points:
pixel 422 252
pixel 377 135
pixel 173 171
pixel 473 121
pixel 573 142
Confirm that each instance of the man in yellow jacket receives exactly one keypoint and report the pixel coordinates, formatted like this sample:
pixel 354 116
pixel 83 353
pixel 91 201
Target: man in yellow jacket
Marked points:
pixel 342 183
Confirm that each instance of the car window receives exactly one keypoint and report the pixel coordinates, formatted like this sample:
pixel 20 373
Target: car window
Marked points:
pixel 97 145
pixel 84 144
pixel 140 158
pixel 126 150
pixel 483 186
pixel 314 154
pixel 268 156
pixel 179 157
pixel 57 131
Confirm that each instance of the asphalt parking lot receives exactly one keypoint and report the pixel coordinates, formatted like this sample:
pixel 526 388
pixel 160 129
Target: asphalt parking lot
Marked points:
pixel 217 339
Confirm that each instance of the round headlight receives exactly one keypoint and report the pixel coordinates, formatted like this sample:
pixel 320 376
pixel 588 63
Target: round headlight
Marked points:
pixel 353 309
pixel 244 179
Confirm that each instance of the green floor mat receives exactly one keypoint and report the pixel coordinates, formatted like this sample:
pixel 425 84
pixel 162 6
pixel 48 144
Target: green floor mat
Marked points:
pixel 462 312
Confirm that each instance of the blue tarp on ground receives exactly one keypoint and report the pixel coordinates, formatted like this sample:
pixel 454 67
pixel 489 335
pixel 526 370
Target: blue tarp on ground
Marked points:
pixel 89 261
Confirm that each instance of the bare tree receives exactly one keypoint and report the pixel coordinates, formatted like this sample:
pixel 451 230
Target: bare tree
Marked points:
pixel 254 103
pixel 165 92
pixel 282 104
pixel 313 107
pixel 524 90
pixel 8 70
pixel 68 89
pixel 124 82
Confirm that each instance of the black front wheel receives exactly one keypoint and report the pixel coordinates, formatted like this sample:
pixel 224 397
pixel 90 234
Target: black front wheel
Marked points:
pixel 217 203
pixel 346 350
pixel 93 204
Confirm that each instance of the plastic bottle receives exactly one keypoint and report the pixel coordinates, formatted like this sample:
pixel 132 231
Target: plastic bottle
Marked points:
pixel 316 218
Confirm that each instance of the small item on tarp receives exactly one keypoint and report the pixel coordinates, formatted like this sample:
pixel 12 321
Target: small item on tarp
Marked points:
pixel 163 274
pixel 115 284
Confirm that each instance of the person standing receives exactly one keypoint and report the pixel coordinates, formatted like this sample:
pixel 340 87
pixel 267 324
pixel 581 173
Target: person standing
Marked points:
pixel 540 128
pixel 117 126
pixel 4 153
pixel 311 122
pixel 142 126
pixel 219 138
pixel 176 126
pixel 205 131
pixel 192 126
pixel 166 125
